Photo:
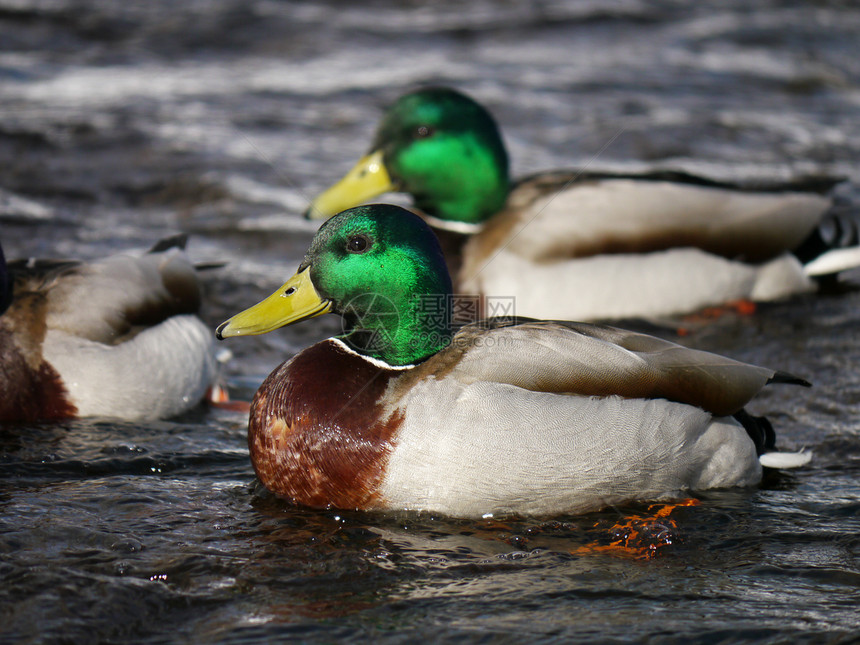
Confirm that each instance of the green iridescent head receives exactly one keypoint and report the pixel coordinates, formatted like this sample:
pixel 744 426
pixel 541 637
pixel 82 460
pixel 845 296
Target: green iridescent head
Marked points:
pixel 438 145
pixel 381 268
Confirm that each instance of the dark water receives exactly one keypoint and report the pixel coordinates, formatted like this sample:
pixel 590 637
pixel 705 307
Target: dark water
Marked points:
pixel 122 122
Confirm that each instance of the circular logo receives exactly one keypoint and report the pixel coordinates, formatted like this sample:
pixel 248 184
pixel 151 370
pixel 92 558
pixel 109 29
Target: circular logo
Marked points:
pixel 371 320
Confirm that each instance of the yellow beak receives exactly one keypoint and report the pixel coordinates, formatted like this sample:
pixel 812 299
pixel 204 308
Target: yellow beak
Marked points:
pixel 296 300
pixel 367 179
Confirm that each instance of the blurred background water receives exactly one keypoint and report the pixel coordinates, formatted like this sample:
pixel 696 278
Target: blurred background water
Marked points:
pixel 124 122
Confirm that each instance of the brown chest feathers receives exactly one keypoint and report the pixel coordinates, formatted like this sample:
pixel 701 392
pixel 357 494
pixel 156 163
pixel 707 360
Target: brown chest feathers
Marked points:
pixel 30 389
pixel 318 434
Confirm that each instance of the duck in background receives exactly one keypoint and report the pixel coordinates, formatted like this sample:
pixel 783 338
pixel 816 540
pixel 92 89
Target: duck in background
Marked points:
pixel 504 416
pixel 118 337
pixel 580 245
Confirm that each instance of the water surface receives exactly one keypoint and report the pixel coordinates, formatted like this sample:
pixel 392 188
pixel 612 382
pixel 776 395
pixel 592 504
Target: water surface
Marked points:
pixel 123 122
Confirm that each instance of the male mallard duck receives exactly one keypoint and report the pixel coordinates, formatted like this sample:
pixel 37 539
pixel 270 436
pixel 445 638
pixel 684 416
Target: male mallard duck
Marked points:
pixel 116 338
pixel 584 246
pixel 504 416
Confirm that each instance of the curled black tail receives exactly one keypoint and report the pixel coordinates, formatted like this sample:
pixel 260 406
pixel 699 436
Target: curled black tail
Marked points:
pixel 180 240
pixel 760 431
pixel 839 229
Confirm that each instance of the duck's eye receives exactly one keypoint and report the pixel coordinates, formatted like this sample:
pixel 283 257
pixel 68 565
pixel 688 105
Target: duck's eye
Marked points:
pixel 423 131
pixel 357 244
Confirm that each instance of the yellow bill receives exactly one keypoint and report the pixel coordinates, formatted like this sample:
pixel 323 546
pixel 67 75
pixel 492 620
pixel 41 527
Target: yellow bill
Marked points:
pixel 296 300
pixel 367 179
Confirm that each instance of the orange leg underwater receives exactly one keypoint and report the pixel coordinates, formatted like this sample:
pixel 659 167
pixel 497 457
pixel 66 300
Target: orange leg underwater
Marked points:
pixel 640 537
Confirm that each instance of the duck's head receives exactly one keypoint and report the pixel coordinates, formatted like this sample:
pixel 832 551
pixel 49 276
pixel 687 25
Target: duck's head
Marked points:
pixel 438 145
pixel 381 268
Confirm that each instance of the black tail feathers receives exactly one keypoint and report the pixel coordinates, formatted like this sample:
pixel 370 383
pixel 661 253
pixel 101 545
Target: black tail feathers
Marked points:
pixel 840 229
pixel 760 431
pixel 180 240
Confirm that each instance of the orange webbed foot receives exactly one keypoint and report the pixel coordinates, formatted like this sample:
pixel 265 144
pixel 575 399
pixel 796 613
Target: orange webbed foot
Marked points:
pixel 218 397
pixel 639 537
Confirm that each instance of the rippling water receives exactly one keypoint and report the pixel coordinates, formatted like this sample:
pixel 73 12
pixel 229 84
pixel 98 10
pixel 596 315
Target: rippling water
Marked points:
pixel 123 122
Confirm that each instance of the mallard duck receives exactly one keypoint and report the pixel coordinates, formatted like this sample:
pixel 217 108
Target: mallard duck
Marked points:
pixel 580 245
pixel 517 416
pixel 116 337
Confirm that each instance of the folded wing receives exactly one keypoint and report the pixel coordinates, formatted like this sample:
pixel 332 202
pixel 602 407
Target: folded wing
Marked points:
pixel 594 360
